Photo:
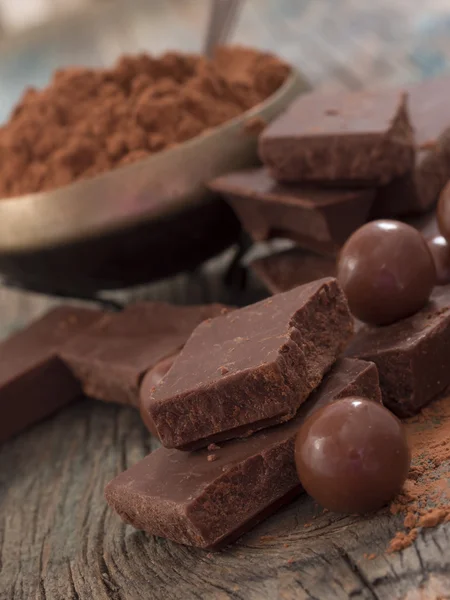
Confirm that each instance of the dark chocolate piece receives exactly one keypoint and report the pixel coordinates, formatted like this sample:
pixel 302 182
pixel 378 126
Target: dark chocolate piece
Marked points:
pixel 251 368
pixel 419 188
pixel 352 456
pixel 362 137
pixel 319 220
pixel 282 271
pixel 386 271
pixel 34 382
pixel 412 355
pixel 111 357
pixel 192 500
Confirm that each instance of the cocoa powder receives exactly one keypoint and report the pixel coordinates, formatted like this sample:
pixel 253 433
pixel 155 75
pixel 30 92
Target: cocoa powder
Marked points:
pixel 88 121
pixel 425 498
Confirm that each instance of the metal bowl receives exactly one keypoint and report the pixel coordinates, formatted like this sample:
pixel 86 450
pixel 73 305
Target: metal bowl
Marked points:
pixel 137 223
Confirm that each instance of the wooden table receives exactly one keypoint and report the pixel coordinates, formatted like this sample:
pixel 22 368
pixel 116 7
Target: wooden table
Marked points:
pixel 58 538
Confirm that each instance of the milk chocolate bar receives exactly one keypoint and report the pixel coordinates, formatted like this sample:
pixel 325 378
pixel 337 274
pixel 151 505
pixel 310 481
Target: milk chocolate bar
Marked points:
pixel 412 355
pixel 287 269
pixel 362 137
pixel 251 368
pixel 316 219
pixel 111 357
pixel 418 189
pixel 208 498
pixel 34 382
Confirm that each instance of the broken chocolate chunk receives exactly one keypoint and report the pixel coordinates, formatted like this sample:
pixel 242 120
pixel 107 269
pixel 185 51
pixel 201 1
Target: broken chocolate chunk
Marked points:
pixel 418 189
pixel 316 219
pixel 412 355
pixel 111 357
pixel 189 499
pixel 366 138
pixel 276 353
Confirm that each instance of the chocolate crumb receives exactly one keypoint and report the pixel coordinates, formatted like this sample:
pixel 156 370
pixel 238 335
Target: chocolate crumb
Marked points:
pixel 213 447
pixel 211 457
pixel 371 556
pixel 224 370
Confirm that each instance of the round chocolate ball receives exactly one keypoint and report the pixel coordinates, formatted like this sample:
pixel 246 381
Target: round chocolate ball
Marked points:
pixel 440 250
pixel 443 212
pixel 352 456
pixel 386 271
pixel 151 380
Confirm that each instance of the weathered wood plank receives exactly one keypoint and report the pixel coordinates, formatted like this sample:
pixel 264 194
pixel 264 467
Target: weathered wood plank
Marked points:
pixel 59 540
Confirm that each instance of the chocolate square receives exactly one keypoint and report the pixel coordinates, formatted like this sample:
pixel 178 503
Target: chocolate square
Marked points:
pixel 251 368
pixel 316 219
pixel 362 137
pixel 418 189
pixel 412 355
pixel 34 382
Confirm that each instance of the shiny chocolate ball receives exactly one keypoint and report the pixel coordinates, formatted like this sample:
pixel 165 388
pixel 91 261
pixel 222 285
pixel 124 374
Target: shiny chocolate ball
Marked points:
pixel 443 212
pixel 352 456
pixel 152 378
pixel 386 271
pixel 440 250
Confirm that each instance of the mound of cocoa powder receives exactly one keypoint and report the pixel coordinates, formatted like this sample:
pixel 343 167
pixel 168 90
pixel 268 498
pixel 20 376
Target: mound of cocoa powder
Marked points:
pixel 88 121
pixel 425 498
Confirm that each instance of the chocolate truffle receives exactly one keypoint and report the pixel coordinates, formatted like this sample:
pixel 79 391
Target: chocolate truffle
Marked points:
pixel 387 272
pixel 352 455
pixel 440 251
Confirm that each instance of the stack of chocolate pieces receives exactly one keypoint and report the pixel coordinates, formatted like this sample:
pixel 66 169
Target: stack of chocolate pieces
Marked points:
pixel 333 162
pixel 228 411
pixel 225 391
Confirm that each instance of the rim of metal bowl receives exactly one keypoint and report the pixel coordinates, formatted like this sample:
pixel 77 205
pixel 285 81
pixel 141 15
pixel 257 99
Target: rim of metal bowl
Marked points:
pixel 149 189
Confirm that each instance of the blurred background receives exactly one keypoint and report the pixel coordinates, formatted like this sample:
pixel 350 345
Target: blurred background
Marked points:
pixel 347 43
pixel 335 43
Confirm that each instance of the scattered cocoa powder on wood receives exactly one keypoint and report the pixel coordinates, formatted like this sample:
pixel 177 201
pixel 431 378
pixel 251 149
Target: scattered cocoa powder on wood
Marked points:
pixel 425 498
pixel 88 121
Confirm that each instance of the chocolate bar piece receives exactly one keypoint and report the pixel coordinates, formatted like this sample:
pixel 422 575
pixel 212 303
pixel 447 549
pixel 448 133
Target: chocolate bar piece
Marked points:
pixel 362 137
pixel 412 355
pixel 282 271
pixel 252 367
pixel 34 382
pixel 208 498
pixel 418 189
pixel 111 357
pixel 316 219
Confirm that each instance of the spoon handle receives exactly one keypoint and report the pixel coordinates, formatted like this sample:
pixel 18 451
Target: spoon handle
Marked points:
pixel 222 18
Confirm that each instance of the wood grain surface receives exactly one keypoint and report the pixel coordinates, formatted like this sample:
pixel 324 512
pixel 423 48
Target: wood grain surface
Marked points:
pixel 60 541
pixel 58 538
